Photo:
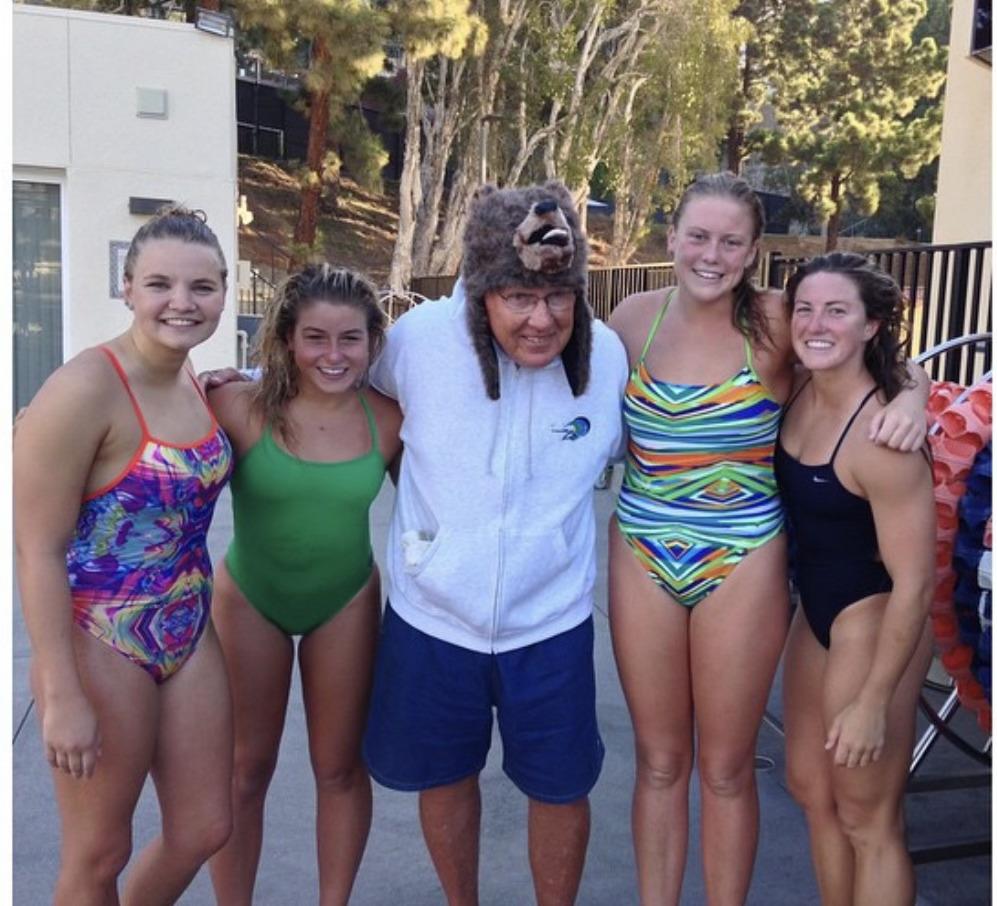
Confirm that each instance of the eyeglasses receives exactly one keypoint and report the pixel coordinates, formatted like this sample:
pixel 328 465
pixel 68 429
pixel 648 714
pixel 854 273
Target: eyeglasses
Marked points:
pixel 558 301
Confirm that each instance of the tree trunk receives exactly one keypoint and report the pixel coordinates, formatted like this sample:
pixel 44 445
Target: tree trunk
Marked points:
pixel 834 221
pixel 442 133
pixel 410 188
pixel 447 254
pixel 318 137
pixel 735 132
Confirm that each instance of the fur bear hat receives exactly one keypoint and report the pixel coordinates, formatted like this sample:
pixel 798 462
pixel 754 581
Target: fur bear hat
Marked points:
pixel 526 237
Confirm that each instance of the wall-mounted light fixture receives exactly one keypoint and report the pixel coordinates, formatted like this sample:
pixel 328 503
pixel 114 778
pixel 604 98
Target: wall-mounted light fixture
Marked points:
pixel 150 103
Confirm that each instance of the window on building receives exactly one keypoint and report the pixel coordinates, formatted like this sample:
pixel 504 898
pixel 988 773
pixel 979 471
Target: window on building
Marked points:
pixel 37 267
pixel 982 30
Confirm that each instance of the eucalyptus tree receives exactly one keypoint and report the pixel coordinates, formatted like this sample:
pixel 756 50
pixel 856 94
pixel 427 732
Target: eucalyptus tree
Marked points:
pixel 674 115
pixel 423 30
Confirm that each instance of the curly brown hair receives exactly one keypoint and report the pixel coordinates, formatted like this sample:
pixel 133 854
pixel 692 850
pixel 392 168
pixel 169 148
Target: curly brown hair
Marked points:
pixel 314 283
pixel 883 300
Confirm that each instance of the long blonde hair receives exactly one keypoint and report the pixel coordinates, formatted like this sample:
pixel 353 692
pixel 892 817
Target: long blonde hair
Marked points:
pixel 314 283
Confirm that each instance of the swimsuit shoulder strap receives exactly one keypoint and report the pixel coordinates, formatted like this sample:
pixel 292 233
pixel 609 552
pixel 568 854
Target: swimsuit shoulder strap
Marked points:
pixel 747 354
pixel 654 326
pixel 371 422
pixel 795 397
pixel 197 386
pixel 855 414
pixel 113 359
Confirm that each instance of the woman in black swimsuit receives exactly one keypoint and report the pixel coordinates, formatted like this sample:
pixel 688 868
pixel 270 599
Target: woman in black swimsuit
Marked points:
pixel 862 522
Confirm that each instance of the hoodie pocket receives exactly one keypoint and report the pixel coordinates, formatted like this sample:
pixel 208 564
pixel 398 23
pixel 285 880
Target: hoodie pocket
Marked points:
pixel 542 579
pixel 456 577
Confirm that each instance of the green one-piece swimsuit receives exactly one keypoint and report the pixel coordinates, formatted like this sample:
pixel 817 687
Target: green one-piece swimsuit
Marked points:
pixel 301 547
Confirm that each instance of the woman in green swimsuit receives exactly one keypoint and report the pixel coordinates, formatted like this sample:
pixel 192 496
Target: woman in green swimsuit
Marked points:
pixel 312 443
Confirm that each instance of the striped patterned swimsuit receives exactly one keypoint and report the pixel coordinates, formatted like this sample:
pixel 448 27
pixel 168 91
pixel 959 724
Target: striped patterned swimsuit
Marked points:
pixel 699 491
pixel 139 573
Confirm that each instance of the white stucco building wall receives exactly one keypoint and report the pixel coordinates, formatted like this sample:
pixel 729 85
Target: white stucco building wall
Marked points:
pixel 962 207
pixel 76 87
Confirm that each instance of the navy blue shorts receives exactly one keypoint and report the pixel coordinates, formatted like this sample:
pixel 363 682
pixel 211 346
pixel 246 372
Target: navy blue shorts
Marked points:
pixel 430 720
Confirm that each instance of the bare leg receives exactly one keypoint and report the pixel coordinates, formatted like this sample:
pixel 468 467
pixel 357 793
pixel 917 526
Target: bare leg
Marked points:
pixel 558 839
pixel 651 643
pixel 337 661
pixel 259 658
pixel 451 824
pixel 736 637
pixel 808 770
pixel 869 799
pixel 96 814
pixel 192 770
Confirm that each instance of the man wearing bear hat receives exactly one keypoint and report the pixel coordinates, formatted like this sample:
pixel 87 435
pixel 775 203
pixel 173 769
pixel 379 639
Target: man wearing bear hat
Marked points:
pixel 511 397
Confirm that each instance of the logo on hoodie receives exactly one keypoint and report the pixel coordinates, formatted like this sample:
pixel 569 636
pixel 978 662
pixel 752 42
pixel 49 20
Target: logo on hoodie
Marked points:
pixel 577 427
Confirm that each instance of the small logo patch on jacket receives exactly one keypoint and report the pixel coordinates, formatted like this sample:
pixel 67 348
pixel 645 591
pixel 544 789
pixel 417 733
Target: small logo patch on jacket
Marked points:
pixel 577 427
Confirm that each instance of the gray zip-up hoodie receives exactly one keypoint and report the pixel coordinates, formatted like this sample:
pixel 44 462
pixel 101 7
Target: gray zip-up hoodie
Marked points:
pixel 492 540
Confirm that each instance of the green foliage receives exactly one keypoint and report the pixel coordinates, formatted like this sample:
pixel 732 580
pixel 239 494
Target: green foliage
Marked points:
pixel 681 111
pixel 362 154
pixel 351 32
pixel 149 9
pixel 387 96
pixel 846 84
pixel 758 20
pixel 427 28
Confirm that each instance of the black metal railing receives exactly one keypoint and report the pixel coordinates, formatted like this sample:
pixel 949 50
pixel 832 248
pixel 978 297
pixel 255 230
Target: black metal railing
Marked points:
pixel 260 141
pixel 608 286
pixel 264 278
pixel 254 297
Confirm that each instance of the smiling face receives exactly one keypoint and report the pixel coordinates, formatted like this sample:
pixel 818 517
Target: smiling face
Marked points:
pixel 176 291
pixel 330 346
pixel 712 243
pixel 533 338
pixel 829 324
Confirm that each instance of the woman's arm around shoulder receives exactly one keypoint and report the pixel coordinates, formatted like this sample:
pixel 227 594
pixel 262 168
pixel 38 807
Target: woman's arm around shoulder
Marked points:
pixel 58 439
pixel 232 404
pixel 903 423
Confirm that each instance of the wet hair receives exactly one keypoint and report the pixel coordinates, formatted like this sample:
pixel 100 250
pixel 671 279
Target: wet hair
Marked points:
pixel 313 284
pixel 747 315
pixel 883 301
pixel 175 222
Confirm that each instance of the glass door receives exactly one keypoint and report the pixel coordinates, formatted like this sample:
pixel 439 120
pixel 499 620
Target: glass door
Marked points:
pixel 37 269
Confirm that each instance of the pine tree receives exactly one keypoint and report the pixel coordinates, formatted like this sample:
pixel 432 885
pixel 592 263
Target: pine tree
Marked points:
pixel 845 88
pixel 754 64
pixel 341 43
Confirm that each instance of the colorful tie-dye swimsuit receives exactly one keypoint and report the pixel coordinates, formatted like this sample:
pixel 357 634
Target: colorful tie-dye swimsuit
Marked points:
pixel 139 572
pixel 699 490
